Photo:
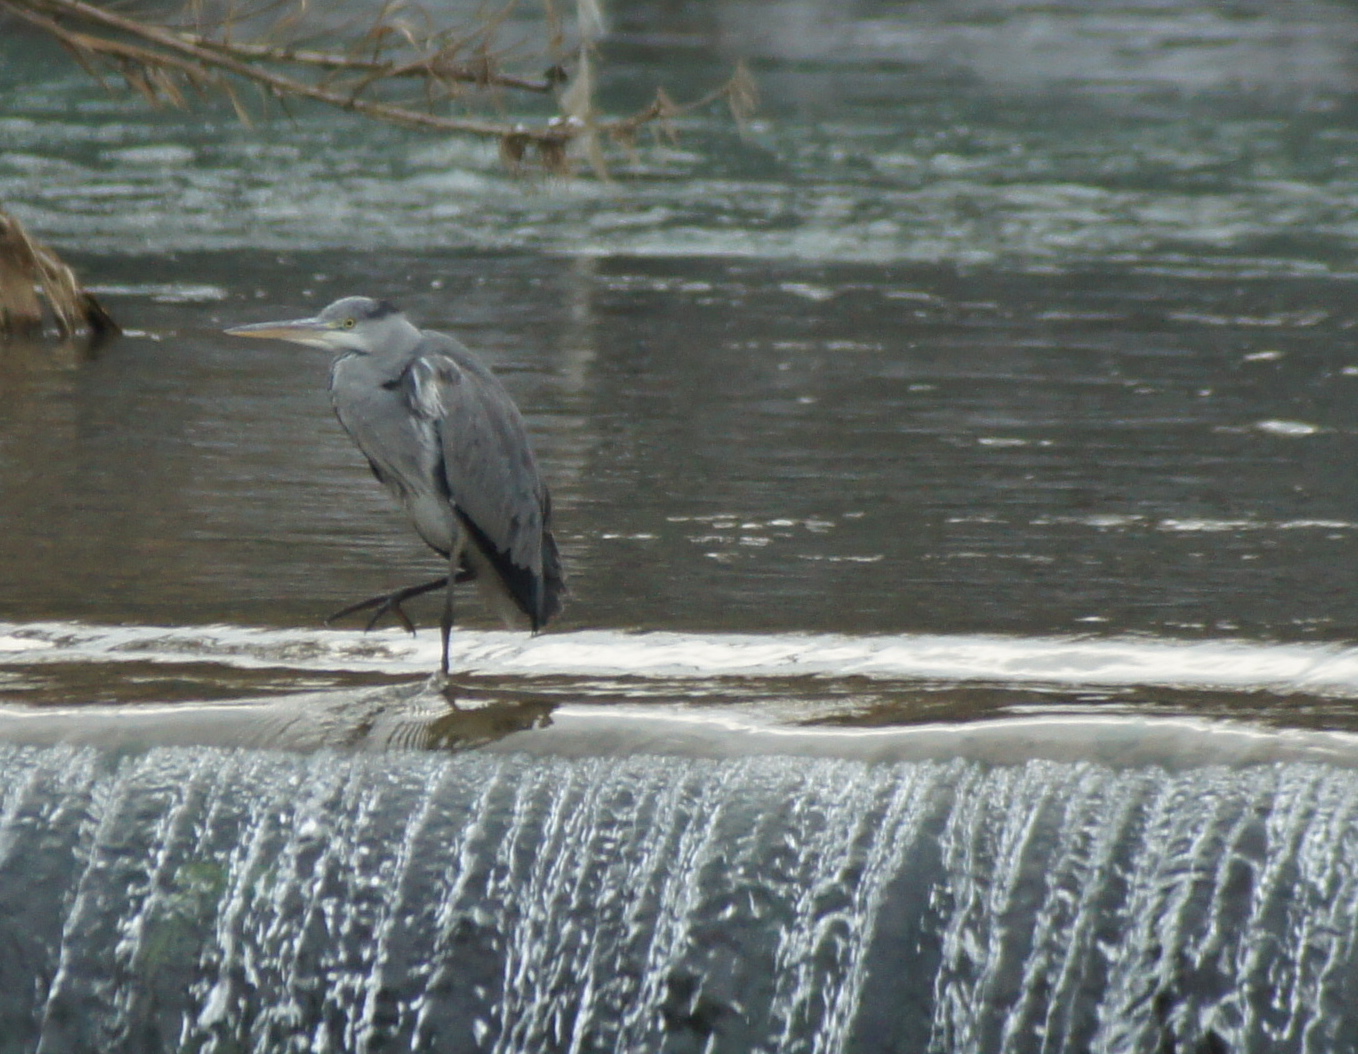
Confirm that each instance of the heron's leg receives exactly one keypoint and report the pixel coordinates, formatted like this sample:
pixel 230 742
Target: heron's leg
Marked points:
pixel 391 602
pixel 446 622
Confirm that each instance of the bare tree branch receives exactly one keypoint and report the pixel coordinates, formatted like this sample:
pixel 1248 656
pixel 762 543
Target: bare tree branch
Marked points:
pixel 375 74
pixel 439 66
pixel 160 63
pixel 196 62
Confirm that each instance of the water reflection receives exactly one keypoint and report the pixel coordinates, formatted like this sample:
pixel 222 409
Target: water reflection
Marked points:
pixel 477 718
pixel 27 359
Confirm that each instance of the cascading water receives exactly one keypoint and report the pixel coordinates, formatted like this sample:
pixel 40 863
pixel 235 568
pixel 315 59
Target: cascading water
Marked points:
pixel 198 899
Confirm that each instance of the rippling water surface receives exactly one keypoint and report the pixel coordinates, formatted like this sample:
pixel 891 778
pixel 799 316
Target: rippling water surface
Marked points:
pixel 997 322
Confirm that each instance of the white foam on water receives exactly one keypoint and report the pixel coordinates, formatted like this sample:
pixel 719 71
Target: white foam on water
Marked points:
pixel 1234 665
pixel 244 898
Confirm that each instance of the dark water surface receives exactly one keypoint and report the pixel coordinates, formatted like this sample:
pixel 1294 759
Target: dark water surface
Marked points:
pixel 734 445
pixel 1094 378
pixel 996 321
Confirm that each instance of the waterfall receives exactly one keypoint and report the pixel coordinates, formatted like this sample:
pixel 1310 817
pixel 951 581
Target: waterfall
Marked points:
pixel 201 899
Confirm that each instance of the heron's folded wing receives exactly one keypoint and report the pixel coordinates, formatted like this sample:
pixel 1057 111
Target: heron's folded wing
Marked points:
pixel 488 466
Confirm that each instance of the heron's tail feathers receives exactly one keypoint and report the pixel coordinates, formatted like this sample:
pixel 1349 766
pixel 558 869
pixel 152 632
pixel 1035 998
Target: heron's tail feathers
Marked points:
pixel 552 589
pixel 511 588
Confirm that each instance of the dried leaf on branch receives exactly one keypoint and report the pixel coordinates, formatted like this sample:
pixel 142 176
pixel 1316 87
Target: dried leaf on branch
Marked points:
pixel 27 267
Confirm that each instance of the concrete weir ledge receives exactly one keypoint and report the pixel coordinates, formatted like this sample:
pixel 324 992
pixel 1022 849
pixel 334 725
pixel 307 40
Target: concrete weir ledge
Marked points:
pixel 537 694
pixel 415 718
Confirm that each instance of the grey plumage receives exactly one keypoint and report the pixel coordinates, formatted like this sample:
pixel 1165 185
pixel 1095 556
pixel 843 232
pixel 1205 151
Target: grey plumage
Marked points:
pixel 446 440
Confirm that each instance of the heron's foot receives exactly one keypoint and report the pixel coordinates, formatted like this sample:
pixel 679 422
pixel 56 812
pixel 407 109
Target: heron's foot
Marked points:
pixel 439 684
pixel 389 603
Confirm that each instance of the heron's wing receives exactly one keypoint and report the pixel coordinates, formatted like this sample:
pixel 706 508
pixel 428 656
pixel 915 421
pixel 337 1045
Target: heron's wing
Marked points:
pixel 372 403
pixel 487 469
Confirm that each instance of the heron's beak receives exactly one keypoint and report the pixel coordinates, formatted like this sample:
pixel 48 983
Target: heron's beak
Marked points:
pixel 309 331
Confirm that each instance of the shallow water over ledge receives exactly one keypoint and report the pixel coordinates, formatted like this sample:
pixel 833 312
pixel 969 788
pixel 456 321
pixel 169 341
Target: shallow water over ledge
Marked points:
pixel 135 684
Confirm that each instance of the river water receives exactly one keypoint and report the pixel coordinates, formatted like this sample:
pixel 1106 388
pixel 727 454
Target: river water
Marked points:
pixel 999 370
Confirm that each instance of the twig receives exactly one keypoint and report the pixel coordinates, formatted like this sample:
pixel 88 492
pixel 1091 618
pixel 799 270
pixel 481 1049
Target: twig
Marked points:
pixel 155 61
pixel 277 83
pixel 434 65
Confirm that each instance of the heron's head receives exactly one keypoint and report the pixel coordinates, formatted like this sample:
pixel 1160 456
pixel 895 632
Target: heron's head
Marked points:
pixel 354 324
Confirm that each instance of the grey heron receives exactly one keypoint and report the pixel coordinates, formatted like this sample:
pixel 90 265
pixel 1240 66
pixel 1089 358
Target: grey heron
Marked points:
pixel 443 436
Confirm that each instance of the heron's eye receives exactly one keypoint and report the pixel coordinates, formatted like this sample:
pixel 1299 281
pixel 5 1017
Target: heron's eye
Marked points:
pixel 349 323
